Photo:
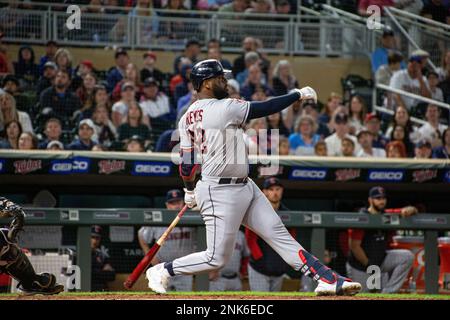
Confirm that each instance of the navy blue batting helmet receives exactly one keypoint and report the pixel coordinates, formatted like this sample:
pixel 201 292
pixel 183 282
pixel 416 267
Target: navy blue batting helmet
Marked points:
pixel 206 69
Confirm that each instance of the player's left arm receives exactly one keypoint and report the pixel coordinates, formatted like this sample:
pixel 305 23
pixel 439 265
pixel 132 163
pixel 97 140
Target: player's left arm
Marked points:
pixel 9 209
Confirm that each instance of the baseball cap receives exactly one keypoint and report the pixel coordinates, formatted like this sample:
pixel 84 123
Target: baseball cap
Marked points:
pixel 50 64
pixel 387 32
pixel 377 192
pixel 150 81
pixel 55 143
pixel 341 117
pixel 88 63
pixel 420 53
pixel 96 231
pixel 415 59
pixel 362 131
pixel 87 122
pixel 137 138
pixel 150 54
pixel 120 51
pixel 423 143
pixel 272 181
pixel 371 116
pixel 173 195
pixel 12 78
pixel 126 85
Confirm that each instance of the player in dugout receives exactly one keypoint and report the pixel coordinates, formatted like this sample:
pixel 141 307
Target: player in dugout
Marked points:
pixel 14 262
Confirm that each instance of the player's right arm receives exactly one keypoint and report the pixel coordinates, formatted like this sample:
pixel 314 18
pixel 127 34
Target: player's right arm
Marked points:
pixel 9 209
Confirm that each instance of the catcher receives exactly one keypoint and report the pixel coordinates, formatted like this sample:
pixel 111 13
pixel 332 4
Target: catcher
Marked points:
pixel 14 262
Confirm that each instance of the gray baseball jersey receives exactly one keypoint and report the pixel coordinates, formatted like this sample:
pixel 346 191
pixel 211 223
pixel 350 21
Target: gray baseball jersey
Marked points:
pixel 181 241
pixel 214 128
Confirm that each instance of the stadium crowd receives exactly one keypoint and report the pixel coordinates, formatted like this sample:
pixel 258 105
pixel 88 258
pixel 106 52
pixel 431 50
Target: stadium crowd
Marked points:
pixel 49 103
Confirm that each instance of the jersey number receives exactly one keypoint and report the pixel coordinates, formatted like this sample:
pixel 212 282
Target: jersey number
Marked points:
pixel 198 139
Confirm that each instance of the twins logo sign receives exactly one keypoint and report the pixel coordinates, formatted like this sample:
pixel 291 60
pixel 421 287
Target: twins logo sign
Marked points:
pixel 150 168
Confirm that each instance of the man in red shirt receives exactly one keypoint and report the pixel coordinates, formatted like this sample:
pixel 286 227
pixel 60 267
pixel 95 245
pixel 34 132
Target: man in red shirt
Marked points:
pixel 370 247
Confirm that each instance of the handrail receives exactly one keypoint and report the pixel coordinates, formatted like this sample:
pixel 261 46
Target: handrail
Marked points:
pixel 344 13
pixel 392 112
pixel 420 18
pixel 414 96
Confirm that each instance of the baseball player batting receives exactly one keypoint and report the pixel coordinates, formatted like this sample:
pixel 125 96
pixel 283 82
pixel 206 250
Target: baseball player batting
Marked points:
pixel 212 130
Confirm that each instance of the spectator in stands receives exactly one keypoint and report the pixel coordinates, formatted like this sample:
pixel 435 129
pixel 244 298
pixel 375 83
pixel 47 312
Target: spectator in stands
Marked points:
pixel 52 131
pixel 102 271
pixel 149 69
pixel 283 79
pixel 101 98
pixel 402 118
pixel 149 22
pixel 48 76
pixel 55 146
pixel 105 132
pixel 6 67
pixel 154 103
pixel 135 144
pixel 275 122
pixel 234 89
pixel 8 112
pixel 85 67
pixel 13 130
pixel 410 80
pixel 85 133
pixel 135 125
pixel 432 130
pixel 364 4
pixel 357 114
pixel 341 127
pixel 25 67
pixel 266 268
pixel 365 140
pixel 185 64
pixel 380 55
pixel 399 133
pixel 167 141
pixel 282 6
pixel 192 50
pixel 385 71
pixel 86 93
pixel 27 141
pixel 185 101
pixel 173 30
pixel 396 149
pixel 211 4
pixel 120 108
pixel 371 247
pixel 255 81
pixel 250 59
pixel 215 52
pixel 333 103
pixel 256 138
pixel 181 242
pixel 181 89
pixel 444 69
pixel 12 86
pixel 63 59
pixel 283 146
pixel 132 76
pixel 117 73
pixel 59 100
pixel 347 147
pixel 304 139
pixel 437 10
pixel 50 50
pixel 373 124
pixel 248 44
pixel 261 6
pixel 320 149
pixel 310 108
pixel 443 152
pixel 433 82
pixel 235 6
pixel 423 150
pixel 425 56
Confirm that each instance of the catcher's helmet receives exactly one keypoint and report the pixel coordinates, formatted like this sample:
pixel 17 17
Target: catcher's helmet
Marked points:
pixel 206 69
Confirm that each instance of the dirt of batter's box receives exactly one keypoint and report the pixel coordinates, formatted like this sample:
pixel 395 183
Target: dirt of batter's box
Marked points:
pixel 185 297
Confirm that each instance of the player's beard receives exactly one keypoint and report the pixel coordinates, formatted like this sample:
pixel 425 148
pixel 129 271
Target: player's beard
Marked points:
pixel 219 92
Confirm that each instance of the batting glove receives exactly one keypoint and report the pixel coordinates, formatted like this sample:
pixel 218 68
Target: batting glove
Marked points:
pixel 189 198
pixel 307 93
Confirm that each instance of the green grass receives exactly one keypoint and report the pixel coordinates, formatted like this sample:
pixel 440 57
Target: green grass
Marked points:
pixel 246 293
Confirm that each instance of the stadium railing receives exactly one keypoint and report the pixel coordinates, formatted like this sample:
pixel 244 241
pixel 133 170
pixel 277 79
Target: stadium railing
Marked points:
pixel 317 222
pixel 287 34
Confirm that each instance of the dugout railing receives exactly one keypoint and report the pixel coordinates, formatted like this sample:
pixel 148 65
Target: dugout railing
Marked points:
pixel 432 226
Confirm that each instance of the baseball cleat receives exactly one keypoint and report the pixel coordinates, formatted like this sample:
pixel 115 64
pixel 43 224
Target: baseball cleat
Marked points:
pixel 157 278
pixel 341 287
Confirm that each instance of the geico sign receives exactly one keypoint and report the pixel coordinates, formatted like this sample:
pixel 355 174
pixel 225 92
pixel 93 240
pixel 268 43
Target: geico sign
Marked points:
pixel 309 174
pixel 386 175
pixel 80 165
pixel 62 167
pixel 145 168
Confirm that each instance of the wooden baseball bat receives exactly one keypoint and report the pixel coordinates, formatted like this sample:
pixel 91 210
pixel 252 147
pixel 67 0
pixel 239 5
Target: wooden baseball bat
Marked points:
pixel 145 262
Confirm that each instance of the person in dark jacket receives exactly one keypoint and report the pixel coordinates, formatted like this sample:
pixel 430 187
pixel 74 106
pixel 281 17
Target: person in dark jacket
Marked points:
pixel 47 78
pixel 25 67
pixel 85 132
pixel 370 248
pixel 117 73
pixel 266 268
pixel 102 271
